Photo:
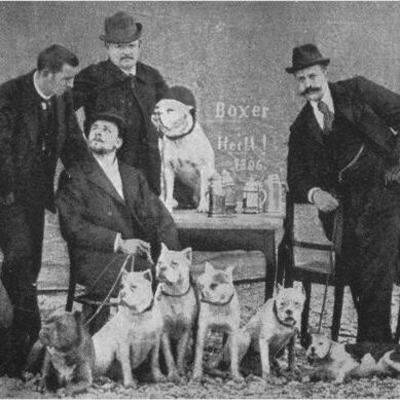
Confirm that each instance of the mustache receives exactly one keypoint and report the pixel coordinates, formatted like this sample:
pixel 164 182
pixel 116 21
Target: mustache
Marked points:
pixel 310 90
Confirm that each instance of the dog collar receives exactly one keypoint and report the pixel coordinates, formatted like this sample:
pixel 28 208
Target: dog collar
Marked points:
pixel 213 303
pixel 177 295
pixel 275 310
pixel 150 306
pixel 173 138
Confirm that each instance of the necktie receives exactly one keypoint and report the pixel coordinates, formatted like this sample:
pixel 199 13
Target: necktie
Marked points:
pixel 328 116
pixel 133 80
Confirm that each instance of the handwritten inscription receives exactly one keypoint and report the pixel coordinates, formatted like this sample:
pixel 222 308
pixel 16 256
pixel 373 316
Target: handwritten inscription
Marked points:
pixel 248 143
pixel 248 152
pixel 238 111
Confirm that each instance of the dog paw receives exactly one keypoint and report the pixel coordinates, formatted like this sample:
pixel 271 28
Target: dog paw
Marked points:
pixel 238 379
pixel 174 377
pixel 158 377
pixel 203 206
pixel 130 385
pixel 196 379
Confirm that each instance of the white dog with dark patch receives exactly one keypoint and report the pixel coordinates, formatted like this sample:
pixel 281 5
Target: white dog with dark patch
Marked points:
pixel 186 152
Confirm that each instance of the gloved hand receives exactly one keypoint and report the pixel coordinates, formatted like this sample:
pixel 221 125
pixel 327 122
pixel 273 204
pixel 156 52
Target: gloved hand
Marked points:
pixel 392 175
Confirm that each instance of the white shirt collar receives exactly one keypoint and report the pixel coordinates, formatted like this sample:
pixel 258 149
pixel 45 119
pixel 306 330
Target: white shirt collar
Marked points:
pixel 108 161
pixel 132 71
pixel 36 84
pixel 327 99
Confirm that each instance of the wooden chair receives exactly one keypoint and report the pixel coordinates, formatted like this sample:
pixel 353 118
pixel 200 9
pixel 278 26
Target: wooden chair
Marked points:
pixel 306 255
pixel 89 304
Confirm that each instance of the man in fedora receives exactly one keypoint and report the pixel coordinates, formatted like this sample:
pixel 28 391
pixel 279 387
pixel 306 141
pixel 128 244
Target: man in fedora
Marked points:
pixel 343 156
pixel 132 88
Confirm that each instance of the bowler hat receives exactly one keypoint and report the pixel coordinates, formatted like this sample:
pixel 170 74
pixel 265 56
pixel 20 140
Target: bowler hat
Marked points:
pixel 110 116
pixel 181 94
pixel 121 28
pixel 306 56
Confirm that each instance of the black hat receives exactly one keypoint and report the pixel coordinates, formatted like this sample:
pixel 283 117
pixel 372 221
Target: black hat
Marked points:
pixel 306 56
pixel 181 94
pixel 121 28
pixel 110 116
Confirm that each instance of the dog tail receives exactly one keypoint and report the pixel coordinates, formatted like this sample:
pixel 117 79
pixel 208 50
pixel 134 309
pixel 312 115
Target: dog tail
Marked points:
pixel 392 359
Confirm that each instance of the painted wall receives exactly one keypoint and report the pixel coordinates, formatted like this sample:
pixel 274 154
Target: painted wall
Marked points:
pixel 232 55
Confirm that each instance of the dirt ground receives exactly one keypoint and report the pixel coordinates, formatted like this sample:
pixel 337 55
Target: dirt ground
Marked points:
pixel 281 385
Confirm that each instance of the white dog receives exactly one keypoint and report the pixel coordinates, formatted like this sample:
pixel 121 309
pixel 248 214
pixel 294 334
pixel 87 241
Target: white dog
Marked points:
pixel 185 150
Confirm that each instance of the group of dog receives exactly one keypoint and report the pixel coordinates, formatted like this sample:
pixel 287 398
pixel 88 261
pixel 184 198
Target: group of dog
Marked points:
pixel 184 309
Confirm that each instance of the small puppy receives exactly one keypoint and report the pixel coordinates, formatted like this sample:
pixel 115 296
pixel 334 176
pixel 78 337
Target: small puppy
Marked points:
pixel 272 328
pixel 185 150
pixel 338 361
pixel 178 304
pixel 69 356
pixel 219 310
pixel 133 333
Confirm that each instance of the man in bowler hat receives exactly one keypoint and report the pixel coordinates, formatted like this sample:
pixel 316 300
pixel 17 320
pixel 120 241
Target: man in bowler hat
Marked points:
pixel 108 211
pixel 37 127
pixel 131 88
pixel 343 156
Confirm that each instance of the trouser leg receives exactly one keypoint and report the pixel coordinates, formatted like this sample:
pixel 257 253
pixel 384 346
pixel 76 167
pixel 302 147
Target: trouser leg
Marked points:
pixel 372 267
pixel 20 241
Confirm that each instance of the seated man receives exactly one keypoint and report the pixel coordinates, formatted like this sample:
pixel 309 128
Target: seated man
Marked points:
pixel 108 211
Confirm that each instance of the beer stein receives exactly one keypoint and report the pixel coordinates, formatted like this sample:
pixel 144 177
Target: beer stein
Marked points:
pixel 254 197
pixel 217 196
pixel 229 186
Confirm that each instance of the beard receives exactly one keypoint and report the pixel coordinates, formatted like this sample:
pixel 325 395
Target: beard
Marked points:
pixel 98 148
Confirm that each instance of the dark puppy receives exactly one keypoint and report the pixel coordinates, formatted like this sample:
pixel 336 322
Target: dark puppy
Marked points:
pixel 69 358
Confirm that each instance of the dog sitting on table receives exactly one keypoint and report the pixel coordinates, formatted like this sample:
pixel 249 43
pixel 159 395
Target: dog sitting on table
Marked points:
pixel 186 152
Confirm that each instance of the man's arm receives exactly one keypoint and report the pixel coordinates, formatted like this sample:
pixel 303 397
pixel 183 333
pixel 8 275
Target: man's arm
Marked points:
pixel 74 227
pixel 75 147
pixel 384 102
pixel 8 115
pixel 158 219
pixel 86 88
pixel 300 179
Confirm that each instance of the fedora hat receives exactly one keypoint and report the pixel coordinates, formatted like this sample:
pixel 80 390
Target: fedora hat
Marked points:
pixel 121 28
pixel 110 116
pixel 306 56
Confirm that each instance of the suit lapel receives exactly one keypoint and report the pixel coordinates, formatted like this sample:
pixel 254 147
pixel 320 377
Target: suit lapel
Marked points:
pixel 130 190
pixel 311 123
pixel 96 175
pixel 342 102
pixel 30 108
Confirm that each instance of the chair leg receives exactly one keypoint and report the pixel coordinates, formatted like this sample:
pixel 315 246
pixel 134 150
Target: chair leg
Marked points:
pixel 71 291
pixel 397 334
pixel 305 336
pixel 337 311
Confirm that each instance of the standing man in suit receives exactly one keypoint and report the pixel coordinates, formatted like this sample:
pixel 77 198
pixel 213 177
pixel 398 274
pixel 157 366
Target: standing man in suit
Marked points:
pixel 108 211
pixel 37 126
pixel 132 88
pixel 343 153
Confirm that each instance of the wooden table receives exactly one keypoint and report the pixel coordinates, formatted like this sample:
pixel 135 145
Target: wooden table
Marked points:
pixel 236 232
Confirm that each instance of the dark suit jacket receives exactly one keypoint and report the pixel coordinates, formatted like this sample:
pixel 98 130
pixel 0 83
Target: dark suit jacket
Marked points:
pixel 21 170
pixel 372 111
pixel 370 108
pixel 92 213
pixel 103 86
